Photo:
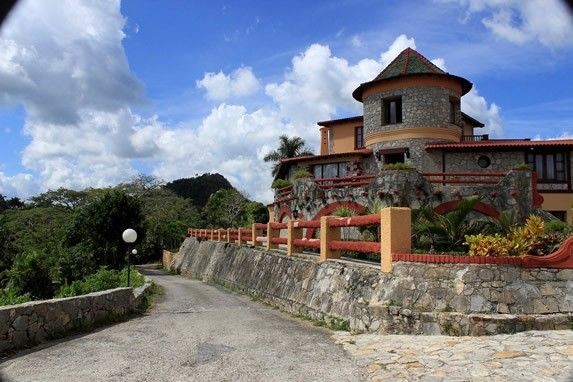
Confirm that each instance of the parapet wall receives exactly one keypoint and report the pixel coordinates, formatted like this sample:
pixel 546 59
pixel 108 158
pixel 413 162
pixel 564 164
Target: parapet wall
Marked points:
pixel 30 323
pixel 456 299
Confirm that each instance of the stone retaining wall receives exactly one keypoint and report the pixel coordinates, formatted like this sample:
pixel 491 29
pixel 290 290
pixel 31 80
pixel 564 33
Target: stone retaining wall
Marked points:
pixel 456 299
pixel 34 322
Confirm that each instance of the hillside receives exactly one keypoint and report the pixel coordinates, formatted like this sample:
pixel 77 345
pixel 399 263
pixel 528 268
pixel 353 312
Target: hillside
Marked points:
pixel 199 188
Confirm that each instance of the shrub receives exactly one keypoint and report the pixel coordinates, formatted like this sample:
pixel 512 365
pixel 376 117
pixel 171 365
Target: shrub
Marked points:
pixel 280 183
pixel 343 212
pixel 556 226
pixel 298 174
pixel 32 273
pixel 398 166
pixel 101 280
pixel 9 296
pixel 529 239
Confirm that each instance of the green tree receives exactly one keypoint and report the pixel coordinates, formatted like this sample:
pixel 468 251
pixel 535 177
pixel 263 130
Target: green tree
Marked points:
pixel 225 209
pixel 199 188
pixel 7 252
pixel 62 197
pixel 32 273
pixel 256 212
pixel 99 226
pixel 167 217
pixel 288 148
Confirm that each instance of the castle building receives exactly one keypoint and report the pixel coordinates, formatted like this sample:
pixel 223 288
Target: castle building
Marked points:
pixel 414 145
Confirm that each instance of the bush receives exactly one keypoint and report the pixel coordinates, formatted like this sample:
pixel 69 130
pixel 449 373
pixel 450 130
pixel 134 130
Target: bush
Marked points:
pixel 32 274
pixel 101 280
pixel 556 226
pixel 9 296
pixel 280 183
pixel 343 212
pixel 529 239
pixel 298 174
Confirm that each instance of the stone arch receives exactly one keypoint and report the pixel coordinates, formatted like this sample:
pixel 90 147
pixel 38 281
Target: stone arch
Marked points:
pixel 480 207
pixel 329 209
pixel 284 211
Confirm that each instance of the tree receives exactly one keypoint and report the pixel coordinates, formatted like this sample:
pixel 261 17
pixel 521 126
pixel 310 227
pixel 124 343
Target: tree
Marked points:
pixel 99 226
pixel 7 252
pixel 199 188
pixel 62 197
pixel 225 209
pixel 288 148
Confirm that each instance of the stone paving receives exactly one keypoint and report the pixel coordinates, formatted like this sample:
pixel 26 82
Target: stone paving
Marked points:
pixel 526 356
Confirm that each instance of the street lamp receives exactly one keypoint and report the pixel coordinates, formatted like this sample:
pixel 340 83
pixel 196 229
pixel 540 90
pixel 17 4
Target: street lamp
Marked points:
pixel 129 236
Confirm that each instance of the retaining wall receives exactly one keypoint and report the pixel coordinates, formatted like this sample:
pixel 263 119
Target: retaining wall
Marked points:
pixel 455 299
pixel 30 323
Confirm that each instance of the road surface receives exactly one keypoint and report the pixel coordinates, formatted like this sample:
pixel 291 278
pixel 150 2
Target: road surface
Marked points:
pixel 194 332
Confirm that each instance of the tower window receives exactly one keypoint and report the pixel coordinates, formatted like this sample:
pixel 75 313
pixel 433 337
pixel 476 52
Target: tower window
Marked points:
pixel 392 110
pixel 454 107
pixel 359 137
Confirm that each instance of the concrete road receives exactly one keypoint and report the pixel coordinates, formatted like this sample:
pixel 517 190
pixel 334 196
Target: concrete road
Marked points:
pixel 195 332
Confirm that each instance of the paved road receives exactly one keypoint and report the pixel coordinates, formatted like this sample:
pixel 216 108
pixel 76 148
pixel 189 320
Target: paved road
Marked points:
pixel 195 332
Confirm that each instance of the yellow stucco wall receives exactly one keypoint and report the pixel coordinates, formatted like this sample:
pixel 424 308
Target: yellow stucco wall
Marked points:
pixel 344 137
pixel 558 202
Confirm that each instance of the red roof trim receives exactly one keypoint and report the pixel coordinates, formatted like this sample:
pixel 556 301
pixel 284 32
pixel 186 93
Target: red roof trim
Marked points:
pixel 501 143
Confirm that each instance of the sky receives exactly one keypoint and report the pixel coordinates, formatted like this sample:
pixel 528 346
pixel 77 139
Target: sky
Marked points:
pixel 93 93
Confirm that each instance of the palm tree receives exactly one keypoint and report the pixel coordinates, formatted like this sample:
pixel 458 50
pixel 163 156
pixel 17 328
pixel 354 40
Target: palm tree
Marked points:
pixel 288 148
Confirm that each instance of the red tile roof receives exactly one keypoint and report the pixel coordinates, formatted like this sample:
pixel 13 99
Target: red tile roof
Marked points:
pixel 500 144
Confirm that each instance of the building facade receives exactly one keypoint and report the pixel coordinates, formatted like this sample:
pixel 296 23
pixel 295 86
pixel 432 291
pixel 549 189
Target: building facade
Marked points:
pixel 413 145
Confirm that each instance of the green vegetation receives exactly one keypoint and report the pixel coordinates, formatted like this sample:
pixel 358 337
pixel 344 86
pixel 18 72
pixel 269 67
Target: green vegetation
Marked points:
pixel 101 280
pixel 299 174
pixel 532 238
pixel 65 242
pixel 280 183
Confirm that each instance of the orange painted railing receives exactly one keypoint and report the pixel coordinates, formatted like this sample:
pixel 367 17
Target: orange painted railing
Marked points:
pixel 394 228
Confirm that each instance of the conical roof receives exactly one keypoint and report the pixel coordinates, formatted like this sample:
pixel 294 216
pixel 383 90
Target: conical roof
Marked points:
pixel 409 62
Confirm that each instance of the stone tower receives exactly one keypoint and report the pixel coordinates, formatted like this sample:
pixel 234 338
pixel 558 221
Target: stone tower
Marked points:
pixel 410 103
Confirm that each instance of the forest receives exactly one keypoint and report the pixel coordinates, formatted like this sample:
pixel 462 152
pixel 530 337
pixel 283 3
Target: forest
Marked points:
pixel 65 242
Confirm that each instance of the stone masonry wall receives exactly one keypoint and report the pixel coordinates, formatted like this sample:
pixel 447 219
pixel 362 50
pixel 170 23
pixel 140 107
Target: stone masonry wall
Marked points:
pixel 37 321
pixel 421 107
pixel 416 298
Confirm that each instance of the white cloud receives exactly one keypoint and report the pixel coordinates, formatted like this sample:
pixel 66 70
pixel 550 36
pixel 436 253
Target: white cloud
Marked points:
pixel 320 85
pixel 477 107
pixel 21 185
pixel 520 21
pixel 440 63
pixel 220 86
pixel 356 41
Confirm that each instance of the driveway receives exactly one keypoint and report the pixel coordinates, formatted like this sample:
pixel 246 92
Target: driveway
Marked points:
pixel 195 332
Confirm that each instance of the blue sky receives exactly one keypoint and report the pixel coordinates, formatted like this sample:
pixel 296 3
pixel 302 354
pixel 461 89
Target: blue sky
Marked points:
pixel 92 93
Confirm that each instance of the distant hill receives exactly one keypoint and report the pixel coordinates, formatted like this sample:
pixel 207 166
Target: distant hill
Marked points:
pixel 199 188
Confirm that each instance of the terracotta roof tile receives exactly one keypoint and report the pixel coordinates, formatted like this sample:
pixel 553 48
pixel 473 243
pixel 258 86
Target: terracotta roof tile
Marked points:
pixel 497 144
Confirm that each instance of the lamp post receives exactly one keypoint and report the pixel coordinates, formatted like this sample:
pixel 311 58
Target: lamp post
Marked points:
pixel 129 236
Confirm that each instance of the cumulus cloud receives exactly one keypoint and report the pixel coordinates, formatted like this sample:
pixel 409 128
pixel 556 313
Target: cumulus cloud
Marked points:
pixel 477 107
pixel 319 84
pixel 221 86
pixel 520 21
pixel 83 131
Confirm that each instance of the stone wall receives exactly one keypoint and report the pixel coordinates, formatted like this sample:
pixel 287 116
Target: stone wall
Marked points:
pixel 415 298
pixel 30 323
pixel 421 107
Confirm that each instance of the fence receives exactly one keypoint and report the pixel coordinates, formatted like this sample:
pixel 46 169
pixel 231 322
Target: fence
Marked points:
pixel 393 225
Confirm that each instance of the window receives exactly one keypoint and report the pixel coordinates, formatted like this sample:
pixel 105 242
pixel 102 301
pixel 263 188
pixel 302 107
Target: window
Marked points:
pixel 331 170
pixel 359 137
pixel 394 158
pixel 454 107
pixel 550 167
pixel 395 155
pixel 484 161
pixel 392 111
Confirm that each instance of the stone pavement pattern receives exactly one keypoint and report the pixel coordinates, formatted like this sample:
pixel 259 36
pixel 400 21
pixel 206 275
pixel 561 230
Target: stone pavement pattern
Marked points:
pixel 526 356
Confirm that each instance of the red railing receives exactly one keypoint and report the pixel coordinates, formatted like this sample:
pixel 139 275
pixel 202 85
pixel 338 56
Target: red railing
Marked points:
pixel 354 221
pixel 464 177
pixel 350 181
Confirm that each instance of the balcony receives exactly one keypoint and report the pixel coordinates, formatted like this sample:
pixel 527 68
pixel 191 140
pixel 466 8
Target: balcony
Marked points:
pixel 475 138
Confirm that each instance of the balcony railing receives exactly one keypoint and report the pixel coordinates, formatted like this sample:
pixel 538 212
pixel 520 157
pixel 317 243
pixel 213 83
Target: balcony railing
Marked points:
pixel 475 138
pixel 464 177
pixel 350 181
